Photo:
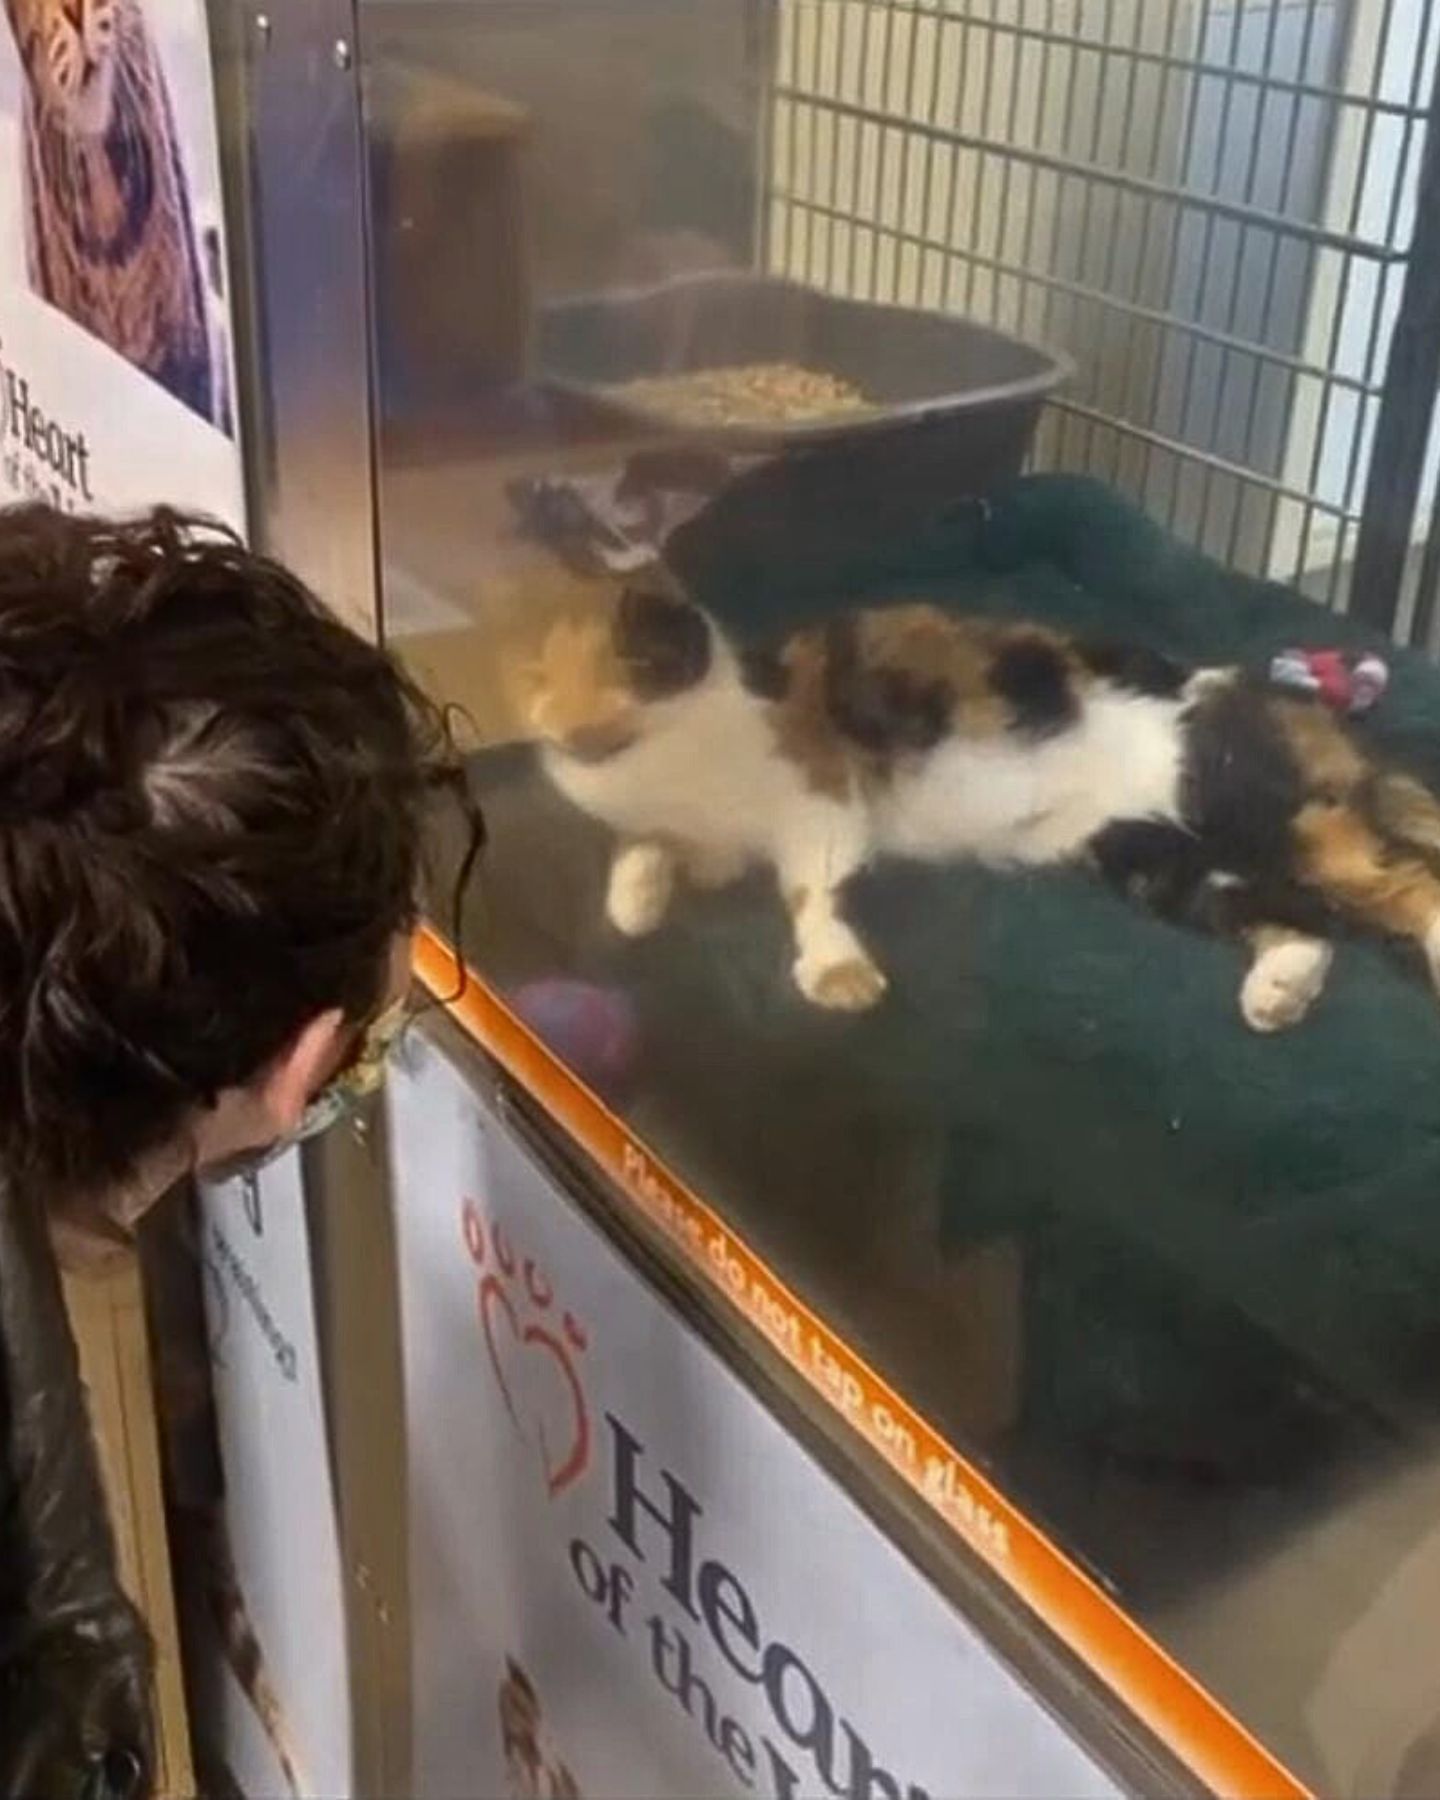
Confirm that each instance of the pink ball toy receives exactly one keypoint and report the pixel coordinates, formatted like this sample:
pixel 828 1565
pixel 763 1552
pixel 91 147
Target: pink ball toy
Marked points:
pixel 593 1030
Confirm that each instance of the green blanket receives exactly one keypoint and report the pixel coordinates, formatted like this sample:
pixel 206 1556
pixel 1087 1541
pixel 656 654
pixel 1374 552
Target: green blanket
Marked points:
pixel 1231 1243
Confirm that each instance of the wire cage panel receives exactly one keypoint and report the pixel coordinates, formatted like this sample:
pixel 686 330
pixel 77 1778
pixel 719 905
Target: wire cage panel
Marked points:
pixel 1207 203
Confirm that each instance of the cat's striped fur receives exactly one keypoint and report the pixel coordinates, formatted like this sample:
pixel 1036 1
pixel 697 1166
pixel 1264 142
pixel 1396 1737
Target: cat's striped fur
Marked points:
pixel 110 234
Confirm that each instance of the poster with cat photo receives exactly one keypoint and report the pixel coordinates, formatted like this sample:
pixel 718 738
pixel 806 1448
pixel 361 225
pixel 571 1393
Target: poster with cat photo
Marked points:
pixel 265 1580
pixel 116 354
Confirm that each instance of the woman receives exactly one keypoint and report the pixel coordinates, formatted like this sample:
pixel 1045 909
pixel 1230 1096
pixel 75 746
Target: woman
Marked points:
pixel 210 814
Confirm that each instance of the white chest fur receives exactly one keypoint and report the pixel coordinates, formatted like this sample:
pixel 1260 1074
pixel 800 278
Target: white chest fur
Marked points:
pixel 705 772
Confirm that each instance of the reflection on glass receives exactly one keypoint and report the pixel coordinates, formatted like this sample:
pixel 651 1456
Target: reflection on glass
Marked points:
pixel 1002 913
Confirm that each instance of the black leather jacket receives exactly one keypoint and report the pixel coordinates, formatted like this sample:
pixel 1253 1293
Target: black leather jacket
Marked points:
pixel 75 1665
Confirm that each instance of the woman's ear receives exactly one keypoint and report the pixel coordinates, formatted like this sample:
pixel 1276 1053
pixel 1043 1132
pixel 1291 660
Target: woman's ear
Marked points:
pixel 312 1057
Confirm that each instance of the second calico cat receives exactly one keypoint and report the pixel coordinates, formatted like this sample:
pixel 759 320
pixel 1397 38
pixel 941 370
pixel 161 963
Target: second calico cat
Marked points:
pixel 905 731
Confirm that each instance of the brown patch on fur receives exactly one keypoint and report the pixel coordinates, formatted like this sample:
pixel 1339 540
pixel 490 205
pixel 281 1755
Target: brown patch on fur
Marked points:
pixel 661 640
pixel 929 649
pixel 1329 762
pixel 866 692
pixel 804 731
pixel 927 645
pixel 1366 837
pixel 1407 810
pixel 1343 855
pixel 576 690
pixel 797 899
pixel 599 665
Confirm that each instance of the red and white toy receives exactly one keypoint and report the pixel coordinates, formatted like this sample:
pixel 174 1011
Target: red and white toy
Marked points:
pixel 1349 680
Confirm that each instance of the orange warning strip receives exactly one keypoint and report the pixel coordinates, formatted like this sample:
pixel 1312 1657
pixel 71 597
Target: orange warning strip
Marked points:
pixel 1151 1683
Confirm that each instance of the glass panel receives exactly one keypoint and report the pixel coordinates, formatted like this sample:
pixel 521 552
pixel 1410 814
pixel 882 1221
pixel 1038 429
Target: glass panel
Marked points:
pixel 959 957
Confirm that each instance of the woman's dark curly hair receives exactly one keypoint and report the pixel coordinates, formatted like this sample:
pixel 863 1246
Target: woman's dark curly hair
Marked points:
pixel 211 799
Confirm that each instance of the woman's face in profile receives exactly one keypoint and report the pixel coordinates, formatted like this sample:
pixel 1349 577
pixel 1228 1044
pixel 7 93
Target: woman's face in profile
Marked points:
pixel 330 1068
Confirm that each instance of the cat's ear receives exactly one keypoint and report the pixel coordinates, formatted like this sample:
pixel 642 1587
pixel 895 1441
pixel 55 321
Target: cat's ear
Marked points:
pixel 663 641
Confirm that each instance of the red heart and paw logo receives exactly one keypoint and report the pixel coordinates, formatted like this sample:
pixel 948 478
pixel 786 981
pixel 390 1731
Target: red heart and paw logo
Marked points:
pixel 533 1350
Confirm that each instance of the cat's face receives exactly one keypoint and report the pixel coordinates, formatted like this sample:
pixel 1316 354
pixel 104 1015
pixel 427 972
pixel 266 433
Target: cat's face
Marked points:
pixel 68 49
pixel 589 689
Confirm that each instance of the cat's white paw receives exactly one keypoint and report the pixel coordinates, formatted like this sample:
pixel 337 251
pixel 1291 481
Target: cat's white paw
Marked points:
pixel 853 984
pixel 1284 982
pixel 710 866
pixel 642 880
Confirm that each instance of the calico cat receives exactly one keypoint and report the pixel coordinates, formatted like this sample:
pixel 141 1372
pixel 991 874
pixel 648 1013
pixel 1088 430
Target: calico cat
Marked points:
pixel 109 232
pixel 906 731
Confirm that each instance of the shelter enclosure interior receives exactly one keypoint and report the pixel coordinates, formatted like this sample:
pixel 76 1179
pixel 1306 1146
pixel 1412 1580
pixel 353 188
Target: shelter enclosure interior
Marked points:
pixel 1078 311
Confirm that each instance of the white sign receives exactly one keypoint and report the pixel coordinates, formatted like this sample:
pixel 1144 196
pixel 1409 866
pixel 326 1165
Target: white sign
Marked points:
pixel 279 1497
pixel 626 1578
pixel 116 365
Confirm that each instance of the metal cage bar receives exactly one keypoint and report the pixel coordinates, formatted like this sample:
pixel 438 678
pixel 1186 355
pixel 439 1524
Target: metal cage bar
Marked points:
pixel 1210 204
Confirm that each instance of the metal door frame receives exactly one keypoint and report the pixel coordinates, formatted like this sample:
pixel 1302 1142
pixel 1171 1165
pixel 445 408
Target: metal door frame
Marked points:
pixel 291 132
